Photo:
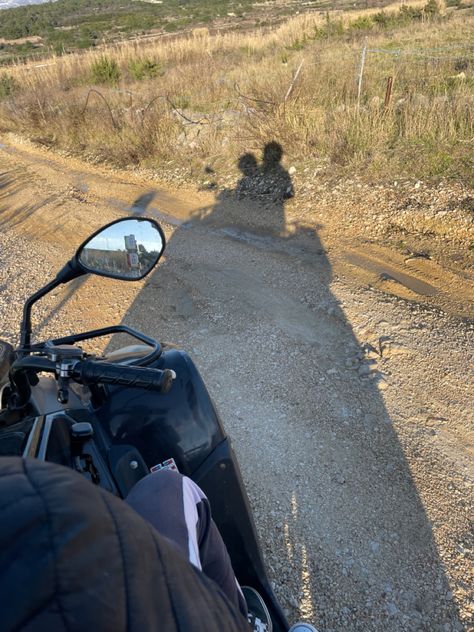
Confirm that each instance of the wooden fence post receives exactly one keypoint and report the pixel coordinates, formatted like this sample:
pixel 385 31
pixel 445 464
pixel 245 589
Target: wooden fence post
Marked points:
pixel 292 84
pixel 388 92
pixel 361 74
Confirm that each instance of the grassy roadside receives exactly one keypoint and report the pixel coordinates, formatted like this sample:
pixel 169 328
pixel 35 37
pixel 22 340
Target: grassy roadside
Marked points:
pixel 194 104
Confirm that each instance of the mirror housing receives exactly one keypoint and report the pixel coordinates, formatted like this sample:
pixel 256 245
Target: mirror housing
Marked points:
pixel 78 265
pixel 127 249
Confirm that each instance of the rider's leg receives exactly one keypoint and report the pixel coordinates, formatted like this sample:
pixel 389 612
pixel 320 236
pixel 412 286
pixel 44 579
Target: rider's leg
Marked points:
pixel 179 510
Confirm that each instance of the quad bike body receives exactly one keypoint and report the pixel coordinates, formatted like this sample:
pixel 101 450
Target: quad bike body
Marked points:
pixel 116 417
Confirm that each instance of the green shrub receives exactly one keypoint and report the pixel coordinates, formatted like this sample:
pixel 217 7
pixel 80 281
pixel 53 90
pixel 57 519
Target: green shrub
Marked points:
pixel 171 27
pixel 105 71
pixel 363 23
pixel 8 86
pixel 432 8
pixel 333 27
pixel 298 44
pixel 382 19
pixel 145 68
pixel 410 13
pixel 182 101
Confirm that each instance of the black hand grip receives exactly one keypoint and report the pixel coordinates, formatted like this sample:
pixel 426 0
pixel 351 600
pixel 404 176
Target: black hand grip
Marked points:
pixel 92 372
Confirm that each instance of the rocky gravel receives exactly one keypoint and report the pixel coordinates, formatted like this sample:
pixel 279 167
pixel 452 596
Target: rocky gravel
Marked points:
pixel 405 211
pixel 350 407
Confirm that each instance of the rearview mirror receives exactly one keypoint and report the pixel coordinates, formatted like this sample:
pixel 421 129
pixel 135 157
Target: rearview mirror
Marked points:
pixel 127 249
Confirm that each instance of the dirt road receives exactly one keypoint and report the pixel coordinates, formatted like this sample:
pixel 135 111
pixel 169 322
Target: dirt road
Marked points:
pixel 349 400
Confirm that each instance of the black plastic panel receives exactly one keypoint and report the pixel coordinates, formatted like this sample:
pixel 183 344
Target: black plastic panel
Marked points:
pixel 219 476
pixel 182 424
pixel 59 441
pixel 121 458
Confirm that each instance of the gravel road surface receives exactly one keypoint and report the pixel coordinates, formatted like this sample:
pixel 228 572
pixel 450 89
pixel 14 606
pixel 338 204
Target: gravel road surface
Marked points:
pixel 350 408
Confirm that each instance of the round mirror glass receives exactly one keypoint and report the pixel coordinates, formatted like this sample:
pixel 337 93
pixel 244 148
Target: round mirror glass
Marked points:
pixel 127 249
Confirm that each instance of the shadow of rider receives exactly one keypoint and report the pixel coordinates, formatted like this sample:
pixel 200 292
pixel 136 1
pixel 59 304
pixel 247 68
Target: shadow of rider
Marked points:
pixel 242 287
pixel 258 201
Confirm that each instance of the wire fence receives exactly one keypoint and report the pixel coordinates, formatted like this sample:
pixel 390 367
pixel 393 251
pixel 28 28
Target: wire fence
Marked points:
pixel 452 65
pixel 452 62
pixel 377 74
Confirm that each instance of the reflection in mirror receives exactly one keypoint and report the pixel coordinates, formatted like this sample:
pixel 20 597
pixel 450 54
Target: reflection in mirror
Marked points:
pixel 128 249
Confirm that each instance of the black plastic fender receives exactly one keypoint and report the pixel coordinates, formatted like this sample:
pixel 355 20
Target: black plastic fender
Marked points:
pixel 182 424
pixel 219 476
pixel 6 359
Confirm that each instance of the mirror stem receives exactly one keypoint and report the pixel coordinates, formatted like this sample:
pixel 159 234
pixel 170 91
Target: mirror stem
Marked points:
pixel 69 272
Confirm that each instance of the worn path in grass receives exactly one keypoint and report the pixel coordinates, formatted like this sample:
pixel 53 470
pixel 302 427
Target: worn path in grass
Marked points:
pixel 349 406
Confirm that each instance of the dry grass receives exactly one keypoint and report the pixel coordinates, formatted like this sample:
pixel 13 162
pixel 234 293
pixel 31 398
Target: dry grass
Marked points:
pixel 205 99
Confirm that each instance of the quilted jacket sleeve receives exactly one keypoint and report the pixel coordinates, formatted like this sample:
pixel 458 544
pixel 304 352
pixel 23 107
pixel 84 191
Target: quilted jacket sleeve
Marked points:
pixel 74 557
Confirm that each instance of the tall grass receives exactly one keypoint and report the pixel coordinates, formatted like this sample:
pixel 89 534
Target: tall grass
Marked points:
pixel 204 99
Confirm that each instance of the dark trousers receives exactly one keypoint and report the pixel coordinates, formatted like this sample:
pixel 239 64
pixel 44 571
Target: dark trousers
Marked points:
pixel 178 509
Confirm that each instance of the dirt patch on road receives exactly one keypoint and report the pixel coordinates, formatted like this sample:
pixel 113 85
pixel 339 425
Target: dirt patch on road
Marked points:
pixel 433 267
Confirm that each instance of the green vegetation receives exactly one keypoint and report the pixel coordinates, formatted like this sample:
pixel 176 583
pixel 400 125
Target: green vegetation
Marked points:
pixel 8 85
pixel 105 71
pixel 363 23
pixel 141 68
pixel 67 25
pixel 188 101
pixel 405 15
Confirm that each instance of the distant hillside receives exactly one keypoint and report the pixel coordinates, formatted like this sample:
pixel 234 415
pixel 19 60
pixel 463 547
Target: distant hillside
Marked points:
pixel 10 4
pixel 68 25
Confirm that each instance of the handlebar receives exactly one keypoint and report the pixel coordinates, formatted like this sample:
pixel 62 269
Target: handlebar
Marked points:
pixel 96 372
pixel 93 372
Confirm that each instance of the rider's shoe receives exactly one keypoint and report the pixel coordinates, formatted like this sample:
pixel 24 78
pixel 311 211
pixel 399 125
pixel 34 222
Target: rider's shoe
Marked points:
pixel 302 627
pixel 258 615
